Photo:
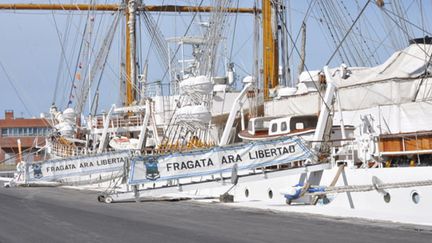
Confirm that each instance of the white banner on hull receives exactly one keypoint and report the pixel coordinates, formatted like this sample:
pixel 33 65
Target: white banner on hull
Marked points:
pixel 217 160
pixel 56 170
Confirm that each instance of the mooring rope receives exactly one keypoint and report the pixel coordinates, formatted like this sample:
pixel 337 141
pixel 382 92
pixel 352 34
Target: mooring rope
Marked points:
pixel 365 188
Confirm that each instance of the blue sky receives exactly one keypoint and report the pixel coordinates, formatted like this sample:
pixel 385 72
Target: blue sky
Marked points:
pixel 30 50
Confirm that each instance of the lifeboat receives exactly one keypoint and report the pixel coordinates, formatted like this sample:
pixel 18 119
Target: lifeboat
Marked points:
pixel 193 114
pixel 123 143
pixel 193 85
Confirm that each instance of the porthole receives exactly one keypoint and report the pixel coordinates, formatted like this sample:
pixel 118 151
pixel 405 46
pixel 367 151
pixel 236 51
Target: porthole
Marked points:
pixel 387 197
pixel 247 193
pixel 270 194
pixel 415 197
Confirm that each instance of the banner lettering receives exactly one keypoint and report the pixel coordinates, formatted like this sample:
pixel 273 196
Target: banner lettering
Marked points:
pixel 217 160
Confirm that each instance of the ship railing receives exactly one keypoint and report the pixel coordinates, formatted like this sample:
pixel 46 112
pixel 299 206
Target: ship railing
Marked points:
pixel 118 121
pixel 61 150
pixel 160 89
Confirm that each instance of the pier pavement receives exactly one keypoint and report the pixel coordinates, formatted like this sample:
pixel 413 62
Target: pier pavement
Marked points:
pixel 66 215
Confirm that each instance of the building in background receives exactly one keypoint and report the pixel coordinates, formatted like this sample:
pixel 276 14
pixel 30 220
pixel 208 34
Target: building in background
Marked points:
pixel 30 131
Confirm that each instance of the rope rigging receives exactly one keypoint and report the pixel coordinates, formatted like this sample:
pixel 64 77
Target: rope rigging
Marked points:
pixel 213 36
pixel 82 87
pixel 11 82
pixel 101 59
pixel 184 35
pixel 183 133
pixel 284 24
pixel 234 34
pixel 63 57
pixel 76 66
pixel 349 30
pixel 157 38
pixel 293 42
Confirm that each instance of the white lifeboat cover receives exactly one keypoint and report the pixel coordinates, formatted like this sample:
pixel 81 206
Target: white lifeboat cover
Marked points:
pixel 194 113
pixel 286 91
pixel 123 143
pixel 199 84
pixel 309 76
pixel 69 115
pixel 65 129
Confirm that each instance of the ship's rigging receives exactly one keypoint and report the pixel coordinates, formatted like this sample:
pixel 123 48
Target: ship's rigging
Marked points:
pixel 130 9
pixel 275 33
pixel 335 17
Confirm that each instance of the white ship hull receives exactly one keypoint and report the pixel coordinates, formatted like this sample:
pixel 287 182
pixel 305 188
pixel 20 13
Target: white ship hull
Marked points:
pixel 369 205
pixel 266 191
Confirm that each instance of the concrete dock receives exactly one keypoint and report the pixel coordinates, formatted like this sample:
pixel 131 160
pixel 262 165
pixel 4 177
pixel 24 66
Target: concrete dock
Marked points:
pixel 66 215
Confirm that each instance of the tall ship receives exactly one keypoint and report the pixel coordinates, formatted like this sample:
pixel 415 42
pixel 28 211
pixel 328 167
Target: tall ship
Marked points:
pixel 152 116
pixel 348 140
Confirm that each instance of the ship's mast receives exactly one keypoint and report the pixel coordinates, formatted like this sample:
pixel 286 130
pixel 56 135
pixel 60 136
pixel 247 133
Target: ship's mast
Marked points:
pixel 130 52
pixel 270 46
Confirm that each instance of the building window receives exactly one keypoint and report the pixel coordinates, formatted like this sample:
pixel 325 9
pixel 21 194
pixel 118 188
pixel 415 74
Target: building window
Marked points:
pixel 40 131
pixel 25 132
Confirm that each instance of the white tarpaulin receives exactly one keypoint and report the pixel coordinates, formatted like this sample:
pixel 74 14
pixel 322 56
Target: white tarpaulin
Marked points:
pixel 392 119
pixel 217 160
pixel 399 80
pixel 57 170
